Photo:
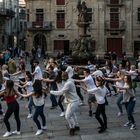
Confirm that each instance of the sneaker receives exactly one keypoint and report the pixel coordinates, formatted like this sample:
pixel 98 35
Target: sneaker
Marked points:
pixel 29 116
pixel 82 104
pixel 62 114
pixel 44 127
pixel 133 127
pixel 77 128
pixel 127 124
pixel 72 131
pixel 101 130
pixel 16 132
pixel 119 114
pixel 40 131
pixel 90 113
pixel 53 107
pixel 7 134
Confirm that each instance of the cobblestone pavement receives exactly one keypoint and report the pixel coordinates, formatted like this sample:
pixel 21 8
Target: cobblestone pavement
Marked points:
pixel 57 128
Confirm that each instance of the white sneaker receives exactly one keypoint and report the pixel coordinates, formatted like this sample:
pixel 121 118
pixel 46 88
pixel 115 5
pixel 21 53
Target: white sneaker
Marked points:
pixel 40 131
pixel 133 127
pixel 81 104
pixel 29 116
pixel 62 114
pixel 119 114
pixel 7 134
pixel 16 132
pixel 44 127
pixel 127 124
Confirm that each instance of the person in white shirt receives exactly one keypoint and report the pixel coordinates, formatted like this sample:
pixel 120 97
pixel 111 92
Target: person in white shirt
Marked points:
pixel 55 67
pixel 29 88
pixel 100 94
pixel 129 100
pixel 69 91
pixel 37 72
pixel 90 84
pixel 39 102
pixel 69 70
pixel 118 81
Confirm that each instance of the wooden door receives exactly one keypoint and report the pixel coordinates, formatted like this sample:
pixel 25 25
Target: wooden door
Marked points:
pixel 115 45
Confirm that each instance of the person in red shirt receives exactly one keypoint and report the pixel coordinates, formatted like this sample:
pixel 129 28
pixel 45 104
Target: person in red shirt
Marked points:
pixel 12 107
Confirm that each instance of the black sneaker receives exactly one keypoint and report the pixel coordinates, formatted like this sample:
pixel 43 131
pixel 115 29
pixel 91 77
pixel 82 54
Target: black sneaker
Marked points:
pixel 77 128
pixel 90 113
pixel 72 131
pixel 101 130
pixel 53 107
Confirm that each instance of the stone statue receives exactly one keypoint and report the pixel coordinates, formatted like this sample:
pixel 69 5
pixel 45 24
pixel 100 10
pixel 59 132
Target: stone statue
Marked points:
pixel 82 9
pixel 82 48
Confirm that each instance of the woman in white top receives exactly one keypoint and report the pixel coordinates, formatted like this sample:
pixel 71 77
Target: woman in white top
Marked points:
pixel 28 84
pixel 60 85
pixel 100 94
pixel 129 101
pixel 39 102
pixel 133 73
pixel 118 82
pixel 21 73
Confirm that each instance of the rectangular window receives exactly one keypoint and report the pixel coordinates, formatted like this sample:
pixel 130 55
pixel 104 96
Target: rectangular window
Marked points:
pixel 89 13
pixel 28 15
pixel 114 17
pixel 138 14
pixel 60 21
pixel 39 15
pixel 114 10
pixel 21 26
pixel 60 2
pixel 114 1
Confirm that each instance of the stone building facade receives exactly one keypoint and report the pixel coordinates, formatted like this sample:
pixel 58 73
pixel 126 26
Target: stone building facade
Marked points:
pixel 114 25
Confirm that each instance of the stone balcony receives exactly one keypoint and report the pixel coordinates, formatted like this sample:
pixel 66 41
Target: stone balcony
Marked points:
pixel 35 26
pixel 6 12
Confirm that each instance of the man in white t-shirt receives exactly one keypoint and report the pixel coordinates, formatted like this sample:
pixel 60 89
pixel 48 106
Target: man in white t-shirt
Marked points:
pixel 90 84
pixel 69 70
pixel 37 72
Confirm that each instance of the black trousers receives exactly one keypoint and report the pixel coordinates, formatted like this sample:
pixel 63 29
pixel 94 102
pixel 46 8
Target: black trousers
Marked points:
pixel 60 100
pixel 101 111
pixel 13 107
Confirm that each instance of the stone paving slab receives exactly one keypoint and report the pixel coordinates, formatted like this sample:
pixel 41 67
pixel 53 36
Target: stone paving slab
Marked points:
pixel 58 127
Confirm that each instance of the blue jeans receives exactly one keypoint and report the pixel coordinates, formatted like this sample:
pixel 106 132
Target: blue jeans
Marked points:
pixel 39 112
pixel 53 100
pixel 30 104
pixel 119 100
pixel 129 108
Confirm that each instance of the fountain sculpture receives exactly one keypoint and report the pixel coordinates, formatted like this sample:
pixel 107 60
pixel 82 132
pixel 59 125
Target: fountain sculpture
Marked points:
pixel 82 47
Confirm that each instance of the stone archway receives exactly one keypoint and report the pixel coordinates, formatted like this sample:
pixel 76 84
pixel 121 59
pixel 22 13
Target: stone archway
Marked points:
pixel 40 40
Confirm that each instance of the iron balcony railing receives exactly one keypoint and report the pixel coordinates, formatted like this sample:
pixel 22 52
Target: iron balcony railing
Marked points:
pixel 6 12
pixel 36 25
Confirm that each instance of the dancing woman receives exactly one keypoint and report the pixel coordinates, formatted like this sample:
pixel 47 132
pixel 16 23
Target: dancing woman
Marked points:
pixel 39 102
pixel 13 107
pixel 100 93
pixel 129 101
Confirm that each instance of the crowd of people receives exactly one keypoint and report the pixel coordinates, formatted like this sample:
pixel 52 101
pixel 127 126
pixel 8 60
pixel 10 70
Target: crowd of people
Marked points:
pixel 69 82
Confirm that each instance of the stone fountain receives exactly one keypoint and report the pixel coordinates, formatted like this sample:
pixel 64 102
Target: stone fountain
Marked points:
pixel 82 47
